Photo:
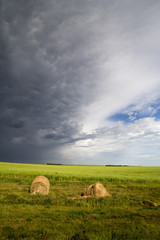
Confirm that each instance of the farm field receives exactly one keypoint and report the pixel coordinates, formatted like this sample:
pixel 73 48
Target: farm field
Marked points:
pixel 64 215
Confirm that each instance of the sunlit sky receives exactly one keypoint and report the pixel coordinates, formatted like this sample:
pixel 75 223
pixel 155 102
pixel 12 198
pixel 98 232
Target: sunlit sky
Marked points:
pixel 80 82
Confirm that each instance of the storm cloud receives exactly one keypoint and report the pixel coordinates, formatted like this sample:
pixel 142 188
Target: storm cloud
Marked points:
pixel 66 67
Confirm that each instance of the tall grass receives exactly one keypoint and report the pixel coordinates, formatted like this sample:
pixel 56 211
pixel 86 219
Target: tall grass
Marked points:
pixel 80 173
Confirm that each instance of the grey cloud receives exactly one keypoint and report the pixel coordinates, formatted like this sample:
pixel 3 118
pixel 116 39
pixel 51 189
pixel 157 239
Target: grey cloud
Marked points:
pixel 17 124
pixel 55 61
pixel 45 85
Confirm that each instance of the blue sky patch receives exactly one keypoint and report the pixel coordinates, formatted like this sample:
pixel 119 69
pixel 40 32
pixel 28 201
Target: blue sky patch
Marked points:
pixel 119 117
pixel 129 115
pixel 124 117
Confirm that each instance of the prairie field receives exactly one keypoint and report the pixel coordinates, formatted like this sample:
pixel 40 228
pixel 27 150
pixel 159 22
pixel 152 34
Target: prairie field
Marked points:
pixel 64 215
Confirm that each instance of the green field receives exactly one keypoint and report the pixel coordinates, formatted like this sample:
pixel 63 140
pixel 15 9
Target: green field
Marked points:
pixel 57 216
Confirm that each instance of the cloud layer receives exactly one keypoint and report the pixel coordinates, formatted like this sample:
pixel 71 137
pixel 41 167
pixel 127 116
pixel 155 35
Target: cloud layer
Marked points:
pixel 68 67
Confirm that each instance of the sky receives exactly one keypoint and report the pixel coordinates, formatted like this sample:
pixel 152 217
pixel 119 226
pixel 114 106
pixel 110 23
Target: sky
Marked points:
pixel 80 82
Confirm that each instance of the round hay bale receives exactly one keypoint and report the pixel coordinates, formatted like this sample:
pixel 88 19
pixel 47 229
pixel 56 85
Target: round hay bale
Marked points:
pixel 40 185
pixel 96 190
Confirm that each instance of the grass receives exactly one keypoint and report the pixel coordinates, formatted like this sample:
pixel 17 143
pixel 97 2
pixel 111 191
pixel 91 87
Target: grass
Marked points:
pixel 55 216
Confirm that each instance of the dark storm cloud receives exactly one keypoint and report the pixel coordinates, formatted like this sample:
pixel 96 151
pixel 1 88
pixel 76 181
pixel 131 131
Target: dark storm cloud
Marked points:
pixel 17 124
pixel 57 57
pixel 41 83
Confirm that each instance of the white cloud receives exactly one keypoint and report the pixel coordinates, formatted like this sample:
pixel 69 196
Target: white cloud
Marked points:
pixel 133 143
pixel 125 73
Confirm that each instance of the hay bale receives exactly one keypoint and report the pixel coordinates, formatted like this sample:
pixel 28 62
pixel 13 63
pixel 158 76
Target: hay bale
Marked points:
pixel 40 185
pixel 96 190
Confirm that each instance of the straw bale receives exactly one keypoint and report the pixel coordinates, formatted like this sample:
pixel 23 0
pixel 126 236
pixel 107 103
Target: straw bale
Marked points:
pixel 40 185
pixel 96 190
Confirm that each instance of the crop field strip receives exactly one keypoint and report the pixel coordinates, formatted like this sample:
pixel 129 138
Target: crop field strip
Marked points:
pixel 125 215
